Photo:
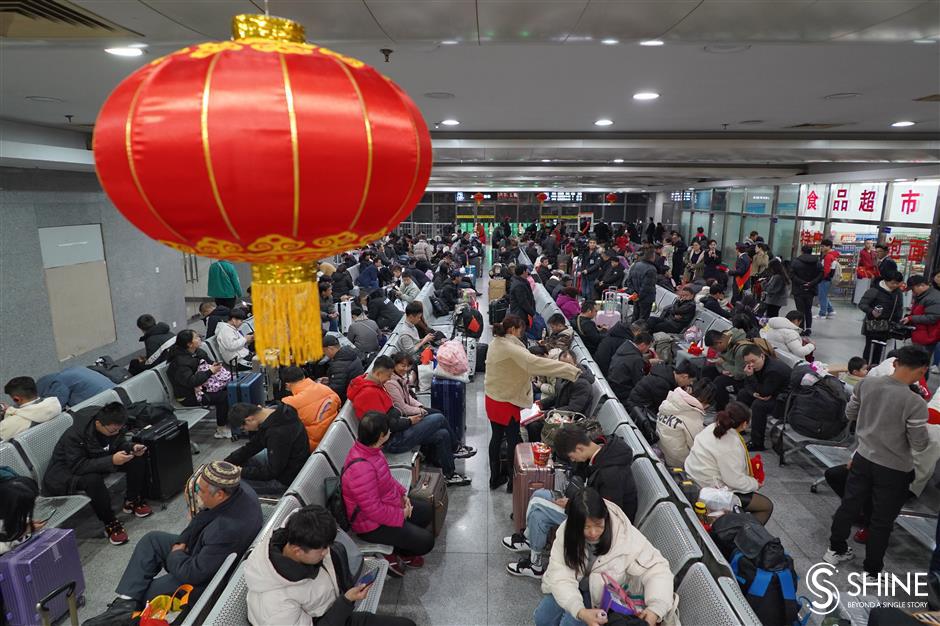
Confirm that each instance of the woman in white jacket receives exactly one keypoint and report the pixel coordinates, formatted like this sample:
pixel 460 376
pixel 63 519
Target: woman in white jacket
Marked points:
pixel 598 538
pixel 298 576
pixel 719 459
pixel 681 417
pixel 783 333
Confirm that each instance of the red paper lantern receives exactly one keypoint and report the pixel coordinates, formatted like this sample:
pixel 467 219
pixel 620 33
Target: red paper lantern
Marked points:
pixel 268 150
pixel 478 198
pixel 542 197
pixel 611 198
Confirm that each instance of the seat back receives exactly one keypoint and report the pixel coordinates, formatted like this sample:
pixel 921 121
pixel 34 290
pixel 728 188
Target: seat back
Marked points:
pixel 100 399
pixel 211 346
pixel 632 439
pixel 701 600
pixel 347 417
pixel 611 415
pixel 194 616
pixel 146 387
pixel 38 442
pixel 10 457
pixel 666 530
pixel 703 320
pixel 308 485
pixel 649 487
pixel 285 506
pixel 231 609
pixel 335 445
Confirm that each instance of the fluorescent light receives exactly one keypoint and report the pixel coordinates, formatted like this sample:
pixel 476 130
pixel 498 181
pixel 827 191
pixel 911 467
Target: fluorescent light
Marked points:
pixel 546 160
pixel 902 180
pixel 124 52
pixel 137 45
pixel 652 42
pixel 610 42
pixel 449 42
pixel 604 122
pixel 618 160
pixel 925 41
pixel 902 124
pixel 645 95
pixel 450 122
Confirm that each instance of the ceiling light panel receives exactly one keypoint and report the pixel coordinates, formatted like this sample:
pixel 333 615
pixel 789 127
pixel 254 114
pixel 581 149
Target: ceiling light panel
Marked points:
pixel 125 51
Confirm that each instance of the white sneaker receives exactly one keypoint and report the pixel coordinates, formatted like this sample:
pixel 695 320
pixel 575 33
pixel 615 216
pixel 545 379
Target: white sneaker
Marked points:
pixel 935 369
pixel 222 432
pixel 821 317
pixel 834 558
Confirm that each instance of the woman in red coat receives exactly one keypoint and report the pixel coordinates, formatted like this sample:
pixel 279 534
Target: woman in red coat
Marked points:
pixel 867 263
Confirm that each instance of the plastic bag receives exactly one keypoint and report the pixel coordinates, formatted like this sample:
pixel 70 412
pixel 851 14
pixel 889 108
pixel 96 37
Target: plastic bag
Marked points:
pixel 163 609
pixel 452 358
pixel 693 334
pixel 718 500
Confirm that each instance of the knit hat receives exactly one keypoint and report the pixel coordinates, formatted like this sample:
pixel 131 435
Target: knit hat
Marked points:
pixel 222 474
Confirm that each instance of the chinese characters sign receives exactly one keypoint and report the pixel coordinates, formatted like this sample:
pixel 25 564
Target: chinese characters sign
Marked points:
pixel 912 203
pixel 813 200
pixel 857 202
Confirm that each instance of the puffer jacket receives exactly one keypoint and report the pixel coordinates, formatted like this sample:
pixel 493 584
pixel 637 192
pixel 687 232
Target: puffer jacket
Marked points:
pixel 627 368
pixel 785 335
pixel 317 406
pixel 184 374
pixel 382 311
pixel 930 300
pixel 397 388
pixel 342 282
pixel 570 307
pixel 631 557
pixel 805 274
pixel 344 366
pixel 576 395
pixel 510 368
pixel 615 337
pixel 372 496
pixel 892 306
pixel 732 357
pixel 81 451
pixel 609 473
pixel 155 337
pixel 283 436
pixel 680 311
pixel 521 299
pixel 724 462
pixel 423 250
pixel 680 418
pixel 16 419
pixel 654 388
pixel 368 395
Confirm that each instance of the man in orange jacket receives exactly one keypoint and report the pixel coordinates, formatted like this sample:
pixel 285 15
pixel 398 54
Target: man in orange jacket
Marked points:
pixel 316 404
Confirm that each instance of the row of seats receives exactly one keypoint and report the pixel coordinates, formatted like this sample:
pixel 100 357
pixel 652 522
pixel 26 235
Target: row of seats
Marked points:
pixel 707 590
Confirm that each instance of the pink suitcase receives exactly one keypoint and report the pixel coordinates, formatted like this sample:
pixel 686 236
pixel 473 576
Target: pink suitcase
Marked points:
pixel 527 478
pixel 607 319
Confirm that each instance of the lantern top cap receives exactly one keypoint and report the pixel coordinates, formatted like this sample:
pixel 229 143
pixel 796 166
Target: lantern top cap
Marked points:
pixel 267 27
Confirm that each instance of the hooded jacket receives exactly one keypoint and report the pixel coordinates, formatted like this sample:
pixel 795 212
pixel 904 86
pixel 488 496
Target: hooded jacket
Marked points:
pixel 316 405
pixel 382 311
pixel 510 368
pixel 570 307
pixel 345 365
pixel 218 316
pixel 930 300
pixel 892 306
pixel 631 558
pixel 724 462
pixel 576 395
pixel 231 342
pixel 759 263
pixel 785 335
pixel 368 395
pixel 805 275
pixel 680 418
pixel 775 290
pixel 627 368
pixel 521 299
pixel 183 372
pixel 615 337
pixel 372 496
pixel 155 337
pixel 641 280
pixel 283 436
pixel 16 419
pixel 610 474
pixel 342 282
pixel 653 389
pixel 79 451
pixel 732 357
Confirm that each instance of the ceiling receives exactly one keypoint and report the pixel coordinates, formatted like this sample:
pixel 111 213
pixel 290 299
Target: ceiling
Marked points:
pixel 530 77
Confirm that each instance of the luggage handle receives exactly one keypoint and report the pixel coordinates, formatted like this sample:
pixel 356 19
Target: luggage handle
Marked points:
pixel 69 589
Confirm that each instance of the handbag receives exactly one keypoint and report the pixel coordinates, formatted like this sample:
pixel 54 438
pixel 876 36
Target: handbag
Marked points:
pixel 163 609
pixel 216 382
pixel 877 326
pixel 614 599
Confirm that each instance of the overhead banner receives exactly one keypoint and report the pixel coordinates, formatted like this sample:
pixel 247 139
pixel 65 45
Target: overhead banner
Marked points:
pixel 858 202
pixel 912 203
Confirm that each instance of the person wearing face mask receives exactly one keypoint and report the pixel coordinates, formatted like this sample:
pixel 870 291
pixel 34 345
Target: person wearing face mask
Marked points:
pixel 598 538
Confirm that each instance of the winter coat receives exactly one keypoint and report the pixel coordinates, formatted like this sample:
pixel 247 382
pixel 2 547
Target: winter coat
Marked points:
pixel 642 280
pixel 342 282
pixel 561 340
pixel 423 250
pixel 772 380
pixel 218 316
pixel 609 473
pixel 570 307
pixel 892 306
pixel 711 303
pixel 232 344
pixel 510 368
pixel 372 496
pixel 611 277
pixel 73 385
pixel 590 264
pixel 627 367
pixel 283 436
pixel 615 337
pixel 711 264
pixel 631 558
pixel 407 404
pixel 724 462
pixel 343 368
pixel 316 405
pixel 407 292
pixel 79 451
pixel 418 277
pixel 677 260
pixel 368 277
pixel 759 263
pixel 576 395
pixel 653 389
pixel 680 311
pixel 521 299
pixel 364 334
pixel 183 372
pixel 732 359
pixel 775 291
pixel 828 272
pixel 588 332
pixel 741 266
pixel 930 300
pixel 867 265
pixel 805 275
pixel 223 281
pixel 695 264
pixel 17 419
pixel 155 337
pixel 886 265
pixel 785 335
pixel 368 395
pixel 680 418
pixel 382 311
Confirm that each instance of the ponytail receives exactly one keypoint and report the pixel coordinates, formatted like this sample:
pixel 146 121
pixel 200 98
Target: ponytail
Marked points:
pixel 733 416
pixel 500 329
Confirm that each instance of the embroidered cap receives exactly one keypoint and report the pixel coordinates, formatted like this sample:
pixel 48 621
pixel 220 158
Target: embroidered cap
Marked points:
pixel 222 474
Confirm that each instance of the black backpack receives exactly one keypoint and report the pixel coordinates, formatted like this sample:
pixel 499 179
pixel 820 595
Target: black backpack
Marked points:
pixel 816 410
pixel 333 486
pixel 646 422
pixel 471 323
pixel 438 308
pixel 106 366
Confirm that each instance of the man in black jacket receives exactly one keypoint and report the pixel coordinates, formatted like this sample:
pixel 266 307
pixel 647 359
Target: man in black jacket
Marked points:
pixel 741 272
pixel 94 446
pixel 767 381
pixel 805 275
pixel 650 392
pixel 345 364
pixel 678 257
pixel 677 316
pixel 611 276
pixel 521 299
pixel 628 366
pixel 604 467
pixel 228 522
pixel 156 334
pixel 382 311
pixel 279 434
pixel 586 328
pixel 641 280
pixel 619 333
pixel 712 302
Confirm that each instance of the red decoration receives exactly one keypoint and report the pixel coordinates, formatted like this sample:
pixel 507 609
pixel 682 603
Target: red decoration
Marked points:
pixel 611 198
pixel 542 197
pixel 478 198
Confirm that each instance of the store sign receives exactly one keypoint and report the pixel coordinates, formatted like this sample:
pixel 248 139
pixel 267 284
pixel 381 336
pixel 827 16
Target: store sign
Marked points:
pixel 912 203
pixel 813 200
pixel 860 202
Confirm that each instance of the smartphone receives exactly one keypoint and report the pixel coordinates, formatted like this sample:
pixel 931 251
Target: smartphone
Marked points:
pixel 367 579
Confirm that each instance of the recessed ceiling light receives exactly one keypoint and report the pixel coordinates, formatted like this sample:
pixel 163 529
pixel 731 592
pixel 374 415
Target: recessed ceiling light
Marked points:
pixel 450 122
pixel 618 160
pixel 125 51
pixel 48 99
pixel 925 41
pixel 439 95
pixel 652 42
pixel 604 122
pixel 902 124
pixel 645 95
pixel 610 42
pixel 449 42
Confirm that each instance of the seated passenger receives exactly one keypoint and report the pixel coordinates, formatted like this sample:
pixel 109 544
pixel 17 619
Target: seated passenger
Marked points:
pixel 342 282
pixel 680 418
pixel 157 336
pixel 73 385
pixel 28 408
pixel 300 575
pixel 233 346
pixel 719 458
pixel 213 315
pixel 729 368
pixel 345 364
pixel 95 445
pixel 652 389
pixel 17 500
pixel 856 370
pixel 786 333
pixel 586 328
pixel 317 405
pixel 576 395
pixel 613 339
pixel 598 538
pixel 611 275
pixel 767 380
pixel 378 507
pixel 188 370
pixel 410 337
pixel 521 298
pixel 602 467
pixel 712 301
pixel 628 366
pixel 367 393
pixel 567 301
pixel 363 332
pixel 450 290
pixel 277 449
pixel 229 522
pixel 408 290
pixel 368 278
pixel 677 316
pixel 382 311
pixel 559 333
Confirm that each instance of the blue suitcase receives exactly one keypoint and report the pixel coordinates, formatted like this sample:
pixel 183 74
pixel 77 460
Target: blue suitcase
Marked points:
pixel 247 387
pixel 450 398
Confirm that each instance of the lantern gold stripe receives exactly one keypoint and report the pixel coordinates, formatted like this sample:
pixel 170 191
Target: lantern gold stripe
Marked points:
pixel 295 149
pixel 368 125
pixel 204 127
pixel 129 150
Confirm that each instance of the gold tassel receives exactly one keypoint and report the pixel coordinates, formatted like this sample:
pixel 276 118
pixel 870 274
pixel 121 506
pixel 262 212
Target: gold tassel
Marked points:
pixel 287 309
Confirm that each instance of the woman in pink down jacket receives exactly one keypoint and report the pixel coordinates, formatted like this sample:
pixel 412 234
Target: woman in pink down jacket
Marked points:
pixel 377 506
pixel 567 301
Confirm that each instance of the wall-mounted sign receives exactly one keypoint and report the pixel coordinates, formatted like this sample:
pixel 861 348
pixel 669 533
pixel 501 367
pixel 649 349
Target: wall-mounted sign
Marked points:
pixel 813 200
pixel 564 196
pixel 681 196
pixel 860 202
pixel 912 203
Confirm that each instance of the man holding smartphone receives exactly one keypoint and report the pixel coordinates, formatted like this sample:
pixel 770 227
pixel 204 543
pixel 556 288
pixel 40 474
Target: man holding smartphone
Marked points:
pixel 300 573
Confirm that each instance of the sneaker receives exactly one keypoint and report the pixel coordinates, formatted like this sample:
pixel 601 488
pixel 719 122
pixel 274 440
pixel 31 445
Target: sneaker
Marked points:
pixel 222 432
pixel 525 568
pixel 834 558
pixel 457 480
pixel 119 611
pixel 116 533
pixel 861 535
pixel 464 452
pixel 396 569
pixel 413 561
pixel 821 317
pixel 516 542
pixel 138 507
pixel 935 369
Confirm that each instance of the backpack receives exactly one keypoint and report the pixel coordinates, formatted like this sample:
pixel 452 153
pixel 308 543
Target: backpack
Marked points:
pixel 537 328
pixel 333 486
pixel 665 346
pixel 452 358
pixel 106 366
pixel 816 410
pixel 646 423
pixel 765 346
pixel 438 308
pixel 471 322
pixel 836 268
pixel 146 413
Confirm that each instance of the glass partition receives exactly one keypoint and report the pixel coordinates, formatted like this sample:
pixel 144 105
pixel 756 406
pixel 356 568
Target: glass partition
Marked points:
pixel 788 199
pixel 782 244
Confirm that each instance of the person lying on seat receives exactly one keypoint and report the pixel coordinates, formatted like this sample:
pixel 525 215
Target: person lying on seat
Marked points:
pixel 73 385
pixel 277 449
pixel 27 409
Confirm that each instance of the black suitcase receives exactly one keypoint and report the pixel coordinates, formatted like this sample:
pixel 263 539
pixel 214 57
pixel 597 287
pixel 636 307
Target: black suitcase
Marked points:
pixel 169 459
pixel 498 310
pixel 480 365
